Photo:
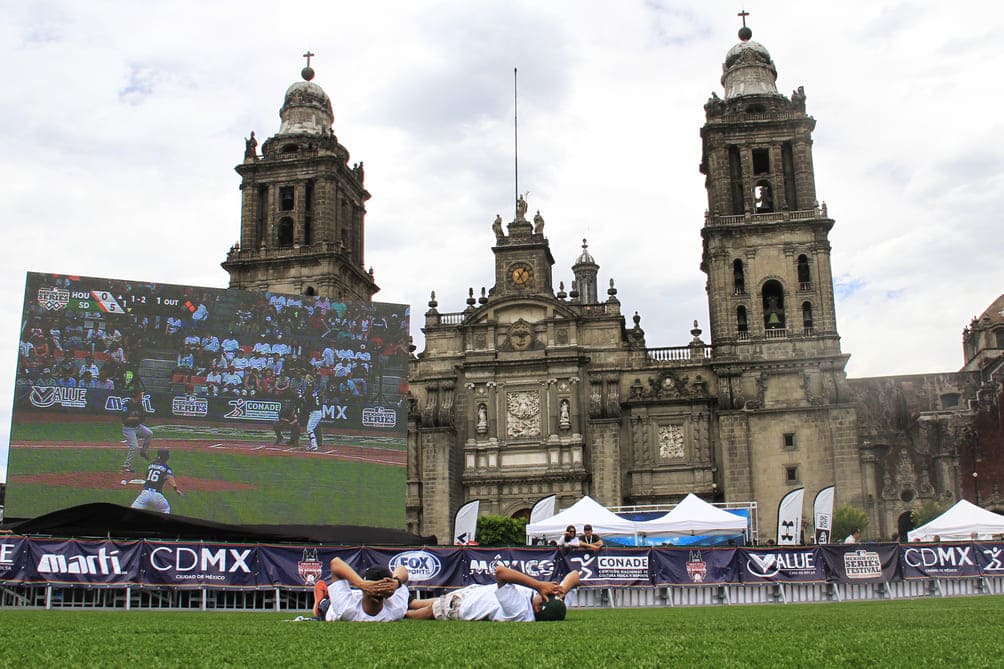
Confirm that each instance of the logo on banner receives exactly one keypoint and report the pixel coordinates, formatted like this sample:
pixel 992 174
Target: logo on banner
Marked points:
pixel 335 412
pixel 623 567
pixel 697 569
pixel 862 564
pixel 254 410
pixel 118 404
pixel 309 567
pixel 183 560
pixel 787 530
pixel 994 562
pixel 379 417
pixel 54 298
pixel 539 569
pixel 104 563
pixel 6 557
pixel 768 565
pixel 44 397
pixel 421 565
pixel 189 405
pixel 942 558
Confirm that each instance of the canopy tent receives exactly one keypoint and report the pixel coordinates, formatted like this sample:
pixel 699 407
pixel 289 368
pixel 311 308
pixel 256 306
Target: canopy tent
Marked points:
pixel 960 522
pixel 693 516
pixel 586 511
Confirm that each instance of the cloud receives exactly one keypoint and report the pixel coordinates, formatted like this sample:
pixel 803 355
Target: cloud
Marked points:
pixel 122 124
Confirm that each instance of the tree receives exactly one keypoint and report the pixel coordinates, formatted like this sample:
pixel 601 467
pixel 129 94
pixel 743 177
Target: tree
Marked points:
pixel 846 519
pixel 501 531
pixel 930 510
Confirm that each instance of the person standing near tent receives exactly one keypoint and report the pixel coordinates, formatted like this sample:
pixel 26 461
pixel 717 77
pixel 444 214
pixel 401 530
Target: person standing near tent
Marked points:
pixel 568 540
pixel 854 537
pixel 589 541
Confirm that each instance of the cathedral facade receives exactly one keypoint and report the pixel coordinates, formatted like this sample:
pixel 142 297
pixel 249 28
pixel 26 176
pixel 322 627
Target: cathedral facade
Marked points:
pixel 532 390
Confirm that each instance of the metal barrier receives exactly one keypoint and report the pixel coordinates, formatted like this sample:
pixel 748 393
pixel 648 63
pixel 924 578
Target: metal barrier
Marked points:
pixel 301 600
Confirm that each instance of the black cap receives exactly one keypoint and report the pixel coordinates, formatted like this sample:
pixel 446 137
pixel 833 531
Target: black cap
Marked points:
pixel 552 609
pixel 376 572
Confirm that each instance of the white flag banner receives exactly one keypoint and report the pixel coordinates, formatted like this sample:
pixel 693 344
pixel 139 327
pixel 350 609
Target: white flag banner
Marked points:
pixel 465 523
pixel 543 509
pixel 822 514
pixel 789 518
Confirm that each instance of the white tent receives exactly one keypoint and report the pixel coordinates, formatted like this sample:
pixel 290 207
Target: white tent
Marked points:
pixel 959 523
pixel 693 516
pixel 587 510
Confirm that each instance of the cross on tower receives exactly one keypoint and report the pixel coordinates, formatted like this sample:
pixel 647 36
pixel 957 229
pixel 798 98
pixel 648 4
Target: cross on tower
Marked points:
pixel 310 55
pixel 743 14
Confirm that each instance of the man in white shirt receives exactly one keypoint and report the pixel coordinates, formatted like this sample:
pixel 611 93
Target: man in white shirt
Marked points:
pixel 378 596
pixel 854 537
pixel 515 597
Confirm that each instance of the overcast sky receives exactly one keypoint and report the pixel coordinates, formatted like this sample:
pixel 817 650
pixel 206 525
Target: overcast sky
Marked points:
pixel 121 123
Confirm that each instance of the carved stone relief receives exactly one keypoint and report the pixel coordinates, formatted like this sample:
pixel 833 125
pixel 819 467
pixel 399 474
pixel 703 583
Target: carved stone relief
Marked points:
pixel 671 442
pixel 523 414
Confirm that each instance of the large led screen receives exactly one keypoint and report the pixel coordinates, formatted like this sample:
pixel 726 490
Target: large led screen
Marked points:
pixel 111 372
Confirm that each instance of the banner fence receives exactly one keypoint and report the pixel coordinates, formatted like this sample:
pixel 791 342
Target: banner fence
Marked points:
pixel 187 565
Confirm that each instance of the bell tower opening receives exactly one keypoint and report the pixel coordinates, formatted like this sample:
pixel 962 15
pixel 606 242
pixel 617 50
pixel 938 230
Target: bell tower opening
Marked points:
pixel 773 305
pixel 284 237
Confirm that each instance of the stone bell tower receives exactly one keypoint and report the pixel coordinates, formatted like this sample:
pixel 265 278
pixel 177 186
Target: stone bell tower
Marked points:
pixel 302 206
pixel 786 420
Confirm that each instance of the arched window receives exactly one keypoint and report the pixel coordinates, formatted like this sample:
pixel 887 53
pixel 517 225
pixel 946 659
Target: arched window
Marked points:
pixel 742 323
pixel 763 197
pixel 807 317
pixel 773 306
pixel 738 277
pixel 804 275
pixel 285 232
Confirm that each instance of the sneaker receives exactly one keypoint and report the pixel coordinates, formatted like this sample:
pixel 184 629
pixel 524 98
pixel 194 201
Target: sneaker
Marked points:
pixel 311 448
pixel 127 470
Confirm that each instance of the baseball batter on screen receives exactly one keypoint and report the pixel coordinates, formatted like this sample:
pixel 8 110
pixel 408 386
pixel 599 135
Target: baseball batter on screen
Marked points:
pixel 157 474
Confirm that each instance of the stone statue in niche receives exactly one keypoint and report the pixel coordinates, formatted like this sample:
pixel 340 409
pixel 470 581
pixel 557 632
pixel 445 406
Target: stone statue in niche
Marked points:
pixel 564 419
pixel 481 426
pixel 538 224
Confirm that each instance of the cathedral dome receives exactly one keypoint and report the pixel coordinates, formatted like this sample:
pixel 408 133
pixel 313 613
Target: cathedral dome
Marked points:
pixel 748 69
pixel 585 258
pixel 758 52
pixel 306 109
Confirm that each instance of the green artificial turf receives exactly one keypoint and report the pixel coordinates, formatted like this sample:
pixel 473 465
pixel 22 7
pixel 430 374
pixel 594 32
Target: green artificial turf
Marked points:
pixel 961 632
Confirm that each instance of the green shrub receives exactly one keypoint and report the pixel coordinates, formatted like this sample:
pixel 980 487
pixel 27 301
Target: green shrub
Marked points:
pixel 930 510
pixel 845 520
pixel 501 531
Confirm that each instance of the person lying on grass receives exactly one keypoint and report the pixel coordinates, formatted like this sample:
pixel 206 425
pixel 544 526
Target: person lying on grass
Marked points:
pixel 515 597
pixel 377 596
